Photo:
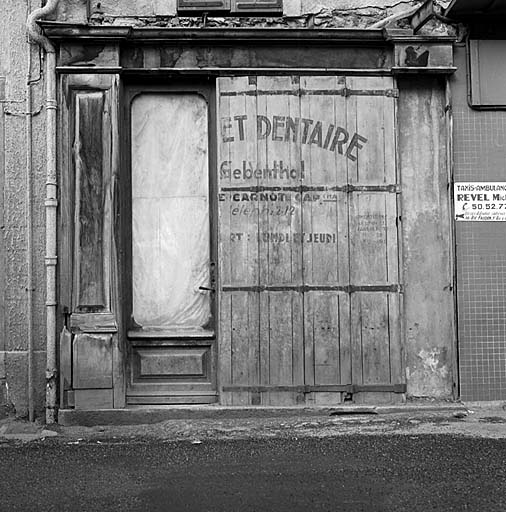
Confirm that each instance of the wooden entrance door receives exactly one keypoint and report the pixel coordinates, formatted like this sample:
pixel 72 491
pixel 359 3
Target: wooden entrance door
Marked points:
pixel 309 247
pixel 171 335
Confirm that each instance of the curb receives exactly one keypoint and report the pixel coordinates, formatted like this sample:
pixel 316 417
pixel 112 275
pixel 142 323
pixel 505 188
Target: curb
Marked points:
pixel 119 417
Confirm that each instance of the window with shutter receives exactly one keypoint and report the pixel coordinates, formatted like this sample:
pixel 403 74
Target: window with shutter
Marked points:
pixel 257 6
pixel 196 6
pixel 241 7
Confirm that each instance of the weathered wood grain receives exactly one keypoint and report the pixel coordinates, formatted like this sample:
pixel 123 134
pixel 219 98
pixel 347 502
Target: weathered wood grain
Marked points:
pixel 240 56
pixel 335 236
pixel 88 160
pixel 225 347
pixel 92 361
pixel 285 324
pixel 242 243
pixel 369 244
pixel 88 155
pixel 245 344
pixel 93 399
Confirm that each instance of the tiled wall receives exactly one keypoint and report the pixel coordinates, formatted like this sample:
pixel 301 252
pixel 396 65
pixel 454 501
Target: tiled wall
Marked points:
pixel 481 293
pixel 480 155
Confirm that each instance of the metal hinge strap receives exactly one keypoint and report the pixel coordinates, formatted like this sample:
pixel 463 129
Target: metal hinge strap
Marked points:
pixel 345 92
pixel 389 288
pixel 339 388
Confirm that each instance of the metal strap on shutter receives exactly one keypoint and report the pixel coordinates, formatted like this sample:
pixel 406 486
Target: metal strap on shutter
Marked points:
pixel 342 388
pixel 345 92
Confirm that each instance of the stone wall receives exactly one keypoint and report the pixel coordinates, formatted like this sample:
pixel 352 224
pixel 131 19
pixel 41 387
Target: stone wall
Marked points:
pixel 17 213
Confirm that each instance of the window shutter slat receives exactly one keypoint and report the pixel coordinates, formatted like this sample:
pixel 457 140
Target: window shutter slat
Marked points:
pixel 257 6
pixel 203 5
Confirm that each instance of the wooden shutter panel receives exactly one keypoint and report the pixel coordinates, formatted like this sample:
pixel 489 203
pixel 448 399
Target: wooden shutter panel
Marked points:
pixel 88 259
pixel 89 285
pixel 309 261
pixel 203 5
pixel 257 6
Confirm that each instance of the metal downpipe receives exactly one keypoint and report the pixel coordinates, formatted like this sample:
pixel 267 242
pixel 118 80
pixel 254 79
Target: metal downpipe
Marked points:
pixel 29 236
pixel 51 202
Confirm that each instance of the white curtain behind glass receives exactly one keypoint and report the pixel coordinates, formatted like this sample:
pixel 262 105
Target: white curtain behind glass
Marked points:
pixel 170 210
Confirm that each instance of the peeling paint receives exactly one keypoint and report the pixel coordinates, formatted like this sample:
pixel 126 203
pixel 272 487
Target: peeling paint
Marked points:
pixel 323 19
pixel 434 360
pixel 429 373
pixel 301 14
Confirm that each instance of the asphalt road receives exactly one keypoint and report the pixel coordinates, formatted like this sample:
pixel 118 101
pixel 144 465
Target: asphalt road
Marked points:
pixel 346 473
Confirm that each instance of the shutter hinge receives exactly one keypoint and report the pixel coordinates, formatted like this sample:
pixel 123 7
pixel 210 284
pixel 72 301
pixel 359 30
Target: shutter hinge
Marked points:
pixel 66 317
pixel 389 93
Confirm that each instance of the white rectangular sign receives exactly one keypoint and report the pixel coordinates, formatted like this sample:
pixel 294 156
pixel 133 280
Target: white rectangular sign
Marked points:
pixel 480 201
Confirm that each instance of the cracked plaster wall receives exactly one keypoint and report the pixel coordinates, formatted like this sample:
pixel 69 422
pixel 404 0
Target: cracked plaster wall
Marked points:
pixel 296 13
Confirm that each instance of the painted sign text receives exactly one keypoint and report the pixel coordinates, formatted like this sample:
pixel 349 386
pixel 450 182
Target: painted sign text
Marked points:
pixel 296 130
pixel 480 201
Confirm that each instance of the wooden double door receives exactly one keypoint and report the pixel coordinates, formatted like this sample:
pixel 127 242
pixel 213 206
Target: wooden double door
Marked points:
pixel 310 291
pixel 239 245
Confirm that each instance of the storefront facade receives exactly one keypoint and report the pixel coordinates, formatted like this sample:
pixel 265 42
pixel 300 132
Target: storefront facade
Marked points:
pixel 252 216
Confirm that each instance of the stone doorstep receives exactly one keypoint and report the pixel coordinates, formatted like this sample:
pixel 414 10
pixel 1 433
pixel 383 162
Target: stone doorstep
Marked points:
pixel 138 416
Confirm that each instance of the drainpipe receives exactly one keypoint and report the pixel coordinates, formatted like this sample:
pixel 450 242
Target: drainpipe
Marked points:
pixel 29 236
pixel 51 203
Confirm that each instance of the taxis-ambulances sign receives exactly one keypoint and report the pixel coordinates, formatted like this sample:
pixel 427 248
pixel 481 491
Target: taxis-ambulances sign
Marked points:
pixel 479 201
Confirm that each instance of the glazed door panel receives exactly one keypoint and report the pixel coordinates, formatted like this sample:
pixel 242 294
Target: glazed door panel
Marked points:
pixel 171 334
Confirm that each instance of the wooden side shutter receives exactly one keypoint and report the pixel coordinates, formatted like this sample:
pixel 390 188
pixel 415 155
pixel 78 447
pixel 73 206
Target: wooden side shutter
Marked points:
pixel 327 339
pixel 310 285
pixel 89 167
pixel 261 300
pixel 257 6
pixel 374 243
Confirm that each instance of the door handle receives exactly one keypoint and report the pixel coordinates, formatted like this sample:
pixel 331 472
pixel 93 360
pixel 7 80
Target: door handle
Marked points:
pixel 205 288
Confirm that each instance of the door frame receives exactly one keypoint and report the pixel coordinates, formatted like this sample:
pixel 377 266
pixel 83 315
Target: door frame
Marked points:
pixel 131 87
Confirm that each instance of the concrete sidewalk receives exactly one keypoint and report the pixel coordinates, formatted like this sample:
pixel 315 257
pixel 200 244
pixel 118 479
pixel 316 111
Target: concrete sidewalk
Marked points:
pixel 483 419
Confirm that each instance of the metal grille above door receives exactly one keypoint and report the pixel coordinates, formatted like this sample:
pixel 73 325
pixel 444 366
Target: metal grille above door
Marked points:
pixel 309 247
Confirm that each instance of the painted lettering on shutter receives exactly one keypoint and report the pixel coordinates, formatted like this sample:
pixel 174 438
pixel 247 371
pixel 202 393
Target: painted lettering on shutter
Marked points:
pixel 326 254
pixel 239 223
pixel 281 343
